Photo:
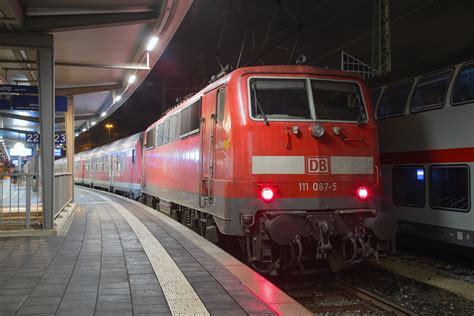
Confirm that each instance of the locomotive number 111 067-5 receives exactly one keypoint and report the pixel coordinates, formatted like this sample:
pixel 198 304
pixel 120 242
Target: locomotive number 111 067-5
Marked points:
pixel 317 186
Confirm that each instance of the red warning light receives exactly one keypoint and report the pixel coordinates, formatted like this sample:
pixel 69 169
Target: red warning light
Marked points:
pixel 267 194
pixel 362 193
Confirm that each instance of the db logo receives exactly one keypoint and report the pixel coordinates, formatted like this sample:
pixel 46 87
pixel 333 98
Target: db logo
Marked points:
pixel 317 165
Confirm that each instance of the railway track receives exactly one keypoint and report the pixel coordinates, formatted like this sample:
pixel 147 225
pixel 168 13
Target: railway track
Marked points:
pixel 375 300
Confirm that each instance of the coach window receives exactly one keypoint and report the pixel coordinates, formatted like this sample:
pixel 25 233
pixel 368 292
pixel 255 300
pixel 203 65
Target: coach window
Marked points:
pixel 220 104
pixel 159 135
pixel 463 91
pixel 430 91
pixel 408 186
pixel 166 131
pixel 394 99
pixel 449 187
pixel 150 138
pixel 375 96
pixel 172 132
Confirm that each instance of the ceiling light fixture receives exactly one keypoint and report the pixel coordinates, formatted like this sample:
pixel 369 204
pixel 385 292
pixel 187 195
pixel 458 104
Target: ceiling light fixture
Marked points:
pixel 152 43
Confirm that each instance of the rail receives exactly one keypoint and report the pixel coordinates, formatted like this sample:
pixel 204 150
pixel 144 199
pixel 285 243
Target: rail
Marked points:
pixel 20 200
pixel 374 299
pixel 63 191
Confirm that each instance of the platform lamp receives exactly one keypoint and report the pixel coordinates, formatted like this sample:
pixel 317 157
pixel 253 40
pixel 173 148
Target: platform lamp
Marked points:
pixel 109 126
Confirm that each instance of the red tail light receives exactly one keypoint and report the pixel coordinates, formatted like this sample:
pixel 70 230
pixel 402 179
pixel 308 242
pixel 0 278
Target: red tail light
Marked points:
pixel 363 193
pixel 267 194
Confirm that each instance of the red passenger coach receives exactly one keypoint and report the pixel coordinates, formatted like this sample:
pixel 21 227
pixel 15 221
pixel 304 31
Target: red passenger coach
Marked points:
pixel 283 157
pixel 116 167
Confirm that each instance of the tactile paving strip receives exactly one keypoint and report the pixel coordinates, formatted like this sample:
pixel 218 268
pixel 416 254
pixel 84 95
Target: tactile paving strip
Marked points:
pixel 181 297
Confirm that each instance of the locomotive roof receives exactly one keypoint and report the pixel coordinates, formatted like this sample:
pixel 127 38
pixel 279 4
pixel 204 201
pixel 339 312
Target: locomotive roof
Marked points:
pixel 275 69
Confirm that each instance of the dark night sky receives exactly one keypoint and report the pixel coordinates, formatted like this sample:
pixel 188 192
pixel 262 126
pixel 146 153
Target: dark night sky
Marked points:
pixel 424 33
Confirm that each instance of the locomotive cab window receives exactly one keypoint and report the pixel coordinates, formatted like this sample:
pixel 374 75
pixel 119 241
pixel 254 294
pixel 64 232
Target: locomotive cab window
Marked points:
pixel 338 101
pixel 394 99
pixel 279 99
pixel 463 91
pixel 430 91
pixel 408 186
pixel 150 139
pixel 449 188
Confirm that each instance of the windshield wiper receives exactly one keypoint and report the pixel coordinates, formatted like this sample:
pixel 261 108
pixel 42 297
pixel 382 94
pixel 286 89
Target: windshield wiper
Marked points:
pixel 361 111
pixel 254 88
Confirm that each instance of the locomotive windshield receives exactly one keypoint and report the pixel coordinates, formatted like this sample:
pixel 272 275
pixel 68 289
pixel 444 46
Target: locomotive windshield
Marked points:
pixel 288 99
pixel 279 99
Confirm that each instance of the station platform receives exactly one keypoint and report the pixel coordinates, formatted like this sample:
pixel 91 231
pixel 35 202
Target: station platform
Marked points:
pixel 120 257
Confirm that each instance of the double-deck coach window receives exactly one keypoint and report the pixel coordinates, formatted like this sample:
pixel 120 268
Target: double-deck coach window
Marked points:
pixel 449 187
pixel 430 91
pixel 375 96
pixel 394 99
pixel 190 119
pixel 408 186
pixel 463 91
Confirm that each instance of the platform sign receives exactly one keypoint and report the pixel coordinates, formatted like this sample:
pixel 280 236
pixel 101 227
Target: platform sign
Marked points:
pixel 24 152
pixel 26 98
pixel 34 138
pixel 58 152
pixel 5 88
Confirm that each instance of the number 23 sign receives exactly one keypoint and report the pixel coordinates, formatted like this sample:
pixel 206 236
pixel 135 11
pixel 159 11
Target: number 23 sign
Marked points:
pixel 34 138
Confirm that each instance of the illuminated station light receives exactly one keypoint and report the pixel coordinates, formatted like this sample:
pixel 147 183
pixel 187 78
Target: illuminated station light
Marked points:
pixel 132 79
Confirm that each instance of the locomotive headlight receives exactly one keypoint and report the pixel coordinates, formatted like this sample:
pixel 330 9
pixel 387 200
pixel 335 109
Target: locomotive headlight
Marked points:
pixel 317 130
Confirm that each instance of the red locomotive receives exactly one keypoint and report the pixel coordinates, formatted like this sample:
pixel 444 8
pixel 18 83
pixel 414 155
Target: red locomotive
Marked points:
pixel 285 158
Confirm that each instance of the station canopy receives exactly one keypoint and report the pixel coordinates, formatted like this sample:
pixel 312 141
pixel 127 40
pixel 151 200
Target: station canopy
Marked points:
pixel 99 47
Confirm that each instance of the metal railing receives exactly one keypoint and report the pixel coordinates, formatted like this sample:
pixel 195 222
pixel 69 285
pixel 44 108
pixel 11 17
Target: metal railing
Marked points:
pixel 63 191
pixel 20 200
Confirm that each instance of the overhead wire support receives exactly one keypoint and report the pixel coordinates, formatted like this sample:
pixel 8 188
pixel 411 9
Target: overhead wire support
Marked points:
pixel 381 51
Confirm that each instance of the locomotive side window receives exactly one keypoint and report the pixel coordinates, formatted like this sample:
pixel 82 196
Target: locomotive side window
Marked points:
pixel 430 91
pixel 184 126
pixel 449 188
pixel 463 91
pixel 150 138
pixel 220 105
pixel 190 119
pixel 172 132
pixel 408 186
pixel 338 101
pixel 279 99
pixel 166 131
pixel 394 99
pixel 159 135
pixel 195 116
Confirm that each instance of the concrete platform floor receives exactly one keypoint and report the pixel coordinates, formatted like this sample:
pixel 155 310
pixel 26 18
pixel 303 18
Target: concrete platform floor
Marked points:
pixel 122 258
